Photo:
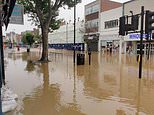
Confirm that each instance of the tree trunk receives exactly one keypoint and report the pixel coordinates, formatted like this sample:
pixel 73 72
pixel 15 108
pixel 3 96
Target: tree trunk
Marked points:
pixel 44 56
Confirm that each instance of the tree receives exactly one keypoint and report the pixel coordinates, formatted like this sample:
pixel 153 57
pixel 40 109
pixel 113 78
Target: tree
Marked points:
pixel 37 37
pixel 44 14
pixel 28 38
pixel 23 39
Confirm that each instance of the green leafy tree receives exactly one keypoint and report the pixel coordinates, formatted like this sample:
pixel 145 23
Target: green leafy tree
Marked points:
pixel 23 39
pixel 28 38
pixel 44 14
pixel 37 38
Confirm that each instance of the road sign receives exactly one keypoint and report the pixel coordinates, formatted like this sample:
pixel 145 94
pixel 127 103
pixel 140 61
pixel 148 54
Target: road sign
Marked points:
pixel 17 15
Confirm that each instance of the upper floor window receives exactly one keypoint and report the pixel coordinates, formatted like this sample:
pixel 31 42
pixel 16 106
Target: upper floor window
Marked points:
pixel 111 24
pixel 92 9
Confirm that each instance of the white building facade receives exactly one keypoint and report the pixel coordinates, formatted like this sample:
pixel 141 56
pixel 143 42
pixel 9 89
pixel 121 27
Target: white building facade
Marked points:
pixel 65 35
pixel 109 29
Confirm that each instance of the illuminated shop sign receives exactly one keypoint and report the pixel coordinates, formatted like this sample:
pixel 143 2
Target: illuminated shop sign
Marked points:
pixel 136 36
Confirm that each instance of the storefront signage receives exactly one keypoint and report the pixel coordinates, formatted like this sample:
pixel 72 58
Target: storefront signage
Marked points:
pixel 136 36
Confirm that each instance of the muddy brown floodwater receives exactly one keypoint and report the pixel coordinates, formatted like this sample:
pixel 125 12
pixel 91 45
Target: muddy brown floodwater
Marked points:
pixel 109 86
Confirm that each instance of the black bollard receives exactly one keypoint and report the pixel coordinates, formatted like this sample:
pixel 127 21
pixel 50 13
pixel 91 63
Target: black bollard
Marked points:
pixel 89 53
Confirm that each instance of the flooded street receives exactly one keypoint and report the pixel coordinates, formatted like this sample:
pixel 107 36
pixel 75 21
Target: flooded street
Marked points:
pixel 109 86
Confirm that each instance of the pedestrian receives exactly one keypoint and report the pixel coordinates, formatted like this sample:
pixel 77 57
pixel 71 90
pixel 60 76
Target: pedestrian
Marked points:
pixel 18 48
pixel 89 51
pixel 110 49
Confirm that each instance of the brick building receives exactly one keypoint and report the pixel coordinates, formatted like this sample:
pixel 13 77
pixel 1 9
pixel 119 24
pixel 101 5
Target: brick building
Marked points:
pixel 93 21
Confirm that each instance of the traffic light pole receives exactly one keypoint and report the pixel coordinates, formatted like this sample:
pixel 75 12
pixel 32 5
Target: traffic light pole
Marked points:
pixel 141 42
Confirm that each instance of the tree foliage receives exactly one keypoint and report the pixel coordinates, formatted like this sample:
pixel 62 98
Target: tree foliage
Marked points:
pixel 44 14
pixel 43 11
pixel 28 38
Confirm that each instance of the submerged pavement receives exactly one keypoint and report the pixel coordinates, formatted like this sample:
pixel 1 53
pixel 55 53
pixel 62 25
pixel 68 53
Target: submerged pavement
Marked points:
pixel 109 86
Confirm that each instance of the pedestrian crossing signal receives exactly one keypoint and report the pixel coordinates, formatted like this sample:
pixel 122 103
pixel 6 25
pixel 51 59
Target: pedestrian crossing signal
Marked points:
pixel 125 27
pixel 122 26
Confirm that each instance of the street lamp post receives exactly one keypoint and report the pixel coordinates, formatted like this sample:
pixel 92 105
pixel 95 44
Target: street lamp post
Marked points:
pixel 1 56
pixel 74 28
pixel 66 33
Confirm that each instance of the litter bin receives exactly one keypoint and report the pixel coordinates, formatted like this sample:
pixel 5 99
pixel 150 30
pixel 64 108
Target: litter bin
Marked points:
pixel 80 58
pixel 28 50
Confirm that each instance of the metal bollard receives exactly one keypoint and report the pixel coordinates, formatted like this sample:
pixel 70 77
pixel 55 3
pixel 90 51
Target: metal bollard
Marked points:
pixel 89 53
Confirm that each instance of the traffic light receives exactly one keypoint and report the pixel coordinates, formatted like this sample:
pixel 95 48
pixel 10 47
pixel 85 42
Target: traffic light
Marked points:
pixel 135 22
pixel 149 20
pixel 125 27
pixel 153 36
pixel 122 26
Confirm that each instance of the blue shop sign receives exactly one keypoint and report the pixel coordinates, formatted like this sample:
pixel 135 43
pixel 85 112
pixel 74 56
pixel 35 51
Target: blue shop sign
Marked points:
pixel 136 36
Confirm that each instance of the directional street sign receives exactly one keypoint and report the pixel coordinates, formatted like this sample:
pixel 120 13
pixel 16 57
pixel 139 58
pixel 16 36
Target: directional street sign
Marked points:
pixel 17 15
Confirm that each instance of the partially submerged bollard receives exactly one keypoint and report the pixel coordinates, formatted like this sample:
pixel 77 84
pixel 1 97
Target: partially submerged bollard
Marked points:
pixel 28 48
pixel 18 48
pixel 89 54
pixel 138 58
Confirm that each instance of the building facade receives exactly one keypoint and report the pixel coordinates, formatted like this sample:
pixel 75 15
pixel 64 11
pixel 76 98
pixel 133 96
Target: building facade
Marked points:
pixel 132 40
pixel 63 38
pixel 101 23
pixel 109 29
pixel 91 36
pixel 92 17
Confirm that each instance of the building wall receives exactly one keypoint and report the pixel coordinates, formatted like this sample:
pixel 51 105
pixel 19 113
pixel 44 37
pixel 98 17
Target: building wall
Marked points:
pixel 135 6
pixel 92 17
pixel 109 5
pixel 101 15
pixel 92 7
pixel 110 34
pixel 110 15
pixel 65 34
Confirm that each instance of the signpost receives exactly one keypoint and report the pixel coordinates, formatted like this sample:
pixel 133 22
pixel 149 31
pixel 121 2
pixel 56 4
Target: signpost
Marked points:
pixel 141 42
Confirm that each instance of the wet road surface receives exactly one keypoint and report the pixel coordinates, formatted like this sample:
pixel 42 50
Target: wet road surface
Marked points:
pixel 109 86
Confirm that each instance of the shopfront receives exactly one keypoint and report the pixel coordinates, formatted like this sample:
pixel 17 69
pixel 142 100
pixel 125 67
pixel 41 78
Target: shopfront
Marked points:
pixel 133 44
pixel 91 41
pixel 110 42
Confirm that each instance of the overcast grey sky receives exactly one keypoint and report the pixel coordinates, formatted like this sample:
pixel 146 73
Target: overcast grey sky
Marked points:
pixel 69 14
pixel 64 14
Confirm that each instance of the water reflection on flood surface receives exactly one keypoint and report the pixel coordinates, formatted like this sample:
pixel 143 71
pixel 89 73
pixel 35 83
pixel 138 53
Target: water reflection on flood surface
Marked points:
pixel 109 86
